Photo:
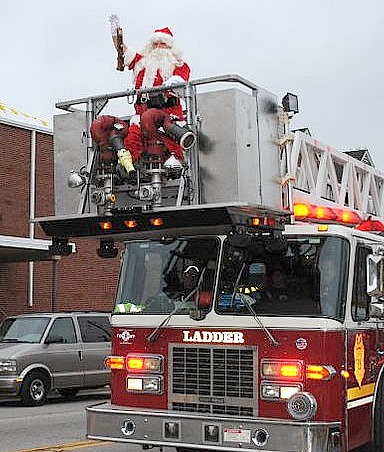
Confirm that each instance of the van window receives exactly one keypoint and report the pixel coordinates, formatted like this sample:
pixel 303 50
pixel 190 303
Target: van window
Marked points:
pixel 63 328
pixel 23 329
pixel 95 329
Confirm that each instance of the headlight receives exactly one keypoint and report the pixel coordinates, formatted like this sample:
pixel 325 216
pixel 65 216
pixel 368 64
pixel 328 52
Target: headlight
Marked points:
pixel 7 365
pixel 278 391
pixel 144 384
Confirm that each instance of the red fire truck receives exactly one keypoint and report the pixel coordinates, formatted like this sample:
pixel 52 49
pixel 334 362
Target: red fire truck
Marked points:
pixel 249 309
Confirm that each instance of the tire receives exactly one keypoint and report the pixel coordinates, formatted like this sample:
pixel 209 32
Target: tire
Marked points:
pixel 378 425
pixel 68 393
pixel 34 389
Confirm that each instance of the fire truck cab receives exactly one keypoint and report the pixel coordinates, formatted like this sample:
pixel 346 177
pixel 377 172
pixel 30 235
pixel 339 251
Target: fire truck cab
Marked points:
pixel 249 311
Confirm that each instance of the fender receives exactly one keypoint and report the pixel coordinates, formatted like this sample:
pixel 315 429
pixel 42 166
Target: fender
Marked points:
pixel 35 366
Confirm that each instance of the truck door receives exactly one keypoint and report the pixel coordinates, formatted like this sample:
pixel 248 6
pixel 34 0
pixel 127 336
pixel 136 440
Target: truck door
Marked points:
pixel 62 354
pixel 361 356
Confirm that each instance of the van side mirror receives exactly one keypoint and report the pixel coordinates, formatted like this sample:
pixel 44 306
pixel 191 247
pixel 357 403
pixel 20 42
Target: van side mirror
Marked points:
pixel 375 275
pixel 54 339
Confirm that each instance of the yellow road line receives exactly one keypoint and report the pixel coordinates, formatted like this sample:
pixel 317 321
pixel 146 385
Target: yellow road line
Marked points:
pixel 67 446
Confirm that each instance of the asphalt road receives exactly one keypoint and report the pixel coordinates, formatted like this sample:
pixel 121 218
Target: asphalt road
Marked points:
pixel 57 426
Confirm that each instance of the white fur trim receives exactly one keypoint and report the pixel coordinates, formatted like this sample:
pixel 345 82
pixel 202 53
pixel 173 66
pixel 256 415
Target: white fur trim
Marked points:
pixel 173 80
pixel 163 37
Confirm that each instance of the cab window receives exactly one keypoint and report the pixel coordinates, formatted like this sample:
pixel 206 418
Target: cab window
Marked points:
pixel 360 298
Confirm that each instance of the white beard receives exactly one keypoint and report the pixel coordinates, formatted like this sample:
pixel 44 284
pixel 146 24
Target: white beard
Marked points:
pixel 158 59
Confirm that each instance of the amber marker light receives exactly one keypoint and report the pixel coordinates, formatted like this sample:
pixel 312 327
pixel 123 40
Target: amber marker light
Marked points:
pixel 115 362
pixel 144 363
pixel 156 221
pixel 319 372
pixel 130 224
pixel 105 225
pixel 135 363
pixel 290 370
pixel 256 221
pixel 345 374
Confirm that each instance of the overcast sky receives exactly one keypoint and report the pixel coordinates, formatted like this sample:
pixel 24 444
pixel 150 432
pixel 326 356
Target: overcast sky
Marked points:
pixel 329 52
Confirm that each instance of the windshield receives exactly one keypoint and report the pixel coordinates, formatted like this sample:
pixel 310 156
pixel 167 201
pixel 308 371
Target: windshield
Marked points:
pixel 23 329
pixel 300 275
pixel 157 277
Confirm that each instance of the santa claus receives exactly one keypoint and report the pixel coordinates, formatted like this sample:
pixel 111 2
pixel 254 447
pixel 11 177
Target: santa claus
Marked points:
pixel 159 63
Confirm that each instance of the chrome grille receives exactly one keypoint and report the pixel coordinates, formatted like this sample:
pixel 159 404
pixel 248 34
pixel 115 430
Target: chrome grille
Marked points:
pixel 217 380
pixel 237 411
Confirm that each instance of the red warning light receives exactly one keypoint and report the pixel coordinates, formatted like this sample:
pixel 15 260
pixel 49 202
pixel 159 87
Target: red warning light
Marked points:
pixel 371 225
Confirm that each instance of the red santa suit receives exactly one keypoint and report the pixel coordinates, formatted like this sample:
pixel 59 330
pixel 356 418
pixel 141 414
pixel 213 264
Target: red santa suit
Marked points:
pixel 155 67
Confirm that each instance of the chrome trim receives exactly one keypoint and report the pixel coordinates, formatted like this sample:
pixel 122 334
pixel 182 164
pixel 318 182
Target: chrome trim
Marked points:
pixel 104 423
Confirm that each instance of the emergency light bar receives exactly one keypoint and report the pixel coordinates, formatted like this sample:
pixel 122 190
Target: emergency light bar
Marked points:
pixel 310 212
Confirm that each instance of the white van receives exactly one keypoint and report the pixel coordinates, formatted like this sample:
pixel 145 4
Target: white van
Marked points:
pixel 63 351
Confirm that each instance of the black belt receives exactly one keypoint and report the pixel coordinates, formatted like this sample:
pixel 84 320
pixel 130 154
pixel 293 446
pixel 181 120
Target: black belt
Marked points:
pixel 156 100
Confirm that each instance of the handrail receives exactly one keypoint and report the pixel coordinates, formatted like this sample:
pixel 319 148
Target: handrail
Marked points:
pixel 229 78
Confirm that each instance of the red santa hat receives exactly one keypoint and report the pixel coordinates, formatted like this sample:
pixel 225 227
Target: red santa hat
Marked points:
pixel 163 35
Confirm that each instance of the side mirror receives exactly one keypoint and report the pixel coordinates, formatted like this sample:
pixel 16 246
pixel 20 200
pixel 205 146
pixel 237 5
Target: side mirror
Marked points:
pixel 375 275
pixel 376 309
pixel 54 340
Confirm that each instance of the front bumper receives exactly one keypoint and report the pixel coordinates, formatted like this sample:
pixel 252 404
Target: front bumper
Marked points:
pixel 10 386
pixel 179 429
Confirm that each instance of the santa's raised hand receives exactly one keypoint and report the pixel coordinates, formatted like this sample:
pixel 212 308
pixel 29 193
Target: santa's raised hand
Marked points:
pixel 115 23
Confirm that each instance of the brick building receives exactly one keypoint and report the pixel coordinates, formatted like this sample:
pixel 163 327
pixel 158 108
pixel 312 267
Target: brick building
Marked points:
pixel 29 280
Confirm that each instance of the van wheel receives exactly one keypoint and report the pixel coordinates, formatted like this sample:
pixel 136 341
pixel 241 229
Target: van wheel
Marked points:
pixel 34 389
pixel 68 393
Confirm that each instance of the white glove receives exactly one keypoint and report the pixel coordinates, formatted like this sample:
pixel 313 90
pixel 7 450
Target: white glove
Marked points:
pixel 115 23
pixel 125 160
pixel 173 80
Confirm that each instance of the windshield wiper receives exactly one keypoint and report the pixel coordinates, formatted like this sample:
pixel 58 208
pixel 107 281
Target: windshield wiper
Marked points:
pixel 11 339
pixel 244 298
pixel 155 333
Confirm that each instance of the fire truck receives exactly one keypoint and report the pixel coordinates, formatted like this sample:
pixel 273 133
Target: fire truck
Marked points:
pixel 249 308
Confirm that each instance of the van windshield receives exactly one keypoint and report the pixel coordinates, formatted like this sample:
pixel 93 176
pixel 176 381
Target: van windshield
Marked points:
pixel 23 329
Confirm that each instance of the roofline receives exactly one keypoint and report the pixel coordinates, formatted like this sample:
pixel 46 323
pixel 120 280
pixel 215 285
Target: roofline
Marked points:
pixel 22 249
pixel 17 242
pixel 27 126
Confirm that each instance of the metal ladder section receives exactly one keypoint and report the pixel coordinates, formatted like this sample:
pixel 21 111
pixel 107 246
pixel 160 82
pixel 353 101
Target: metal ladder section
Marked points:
pixel 322 175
